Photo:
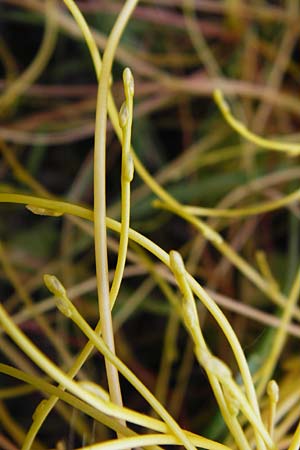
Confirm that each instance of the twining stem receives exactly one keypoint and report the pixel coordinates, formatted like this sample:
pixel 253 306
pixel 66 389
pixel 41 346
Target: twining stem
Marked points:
pixel 86 32
pixel 295 444
pixel 100 206
pixel 127 171
pixel 288 147
pixel 37 383
pixel 146 440
pixel 161 254
pixel 107 407
pixel 217 241
pixel 191 321
pixel 280 337
pixel 66 307
pixel 100 195
pixel 252 210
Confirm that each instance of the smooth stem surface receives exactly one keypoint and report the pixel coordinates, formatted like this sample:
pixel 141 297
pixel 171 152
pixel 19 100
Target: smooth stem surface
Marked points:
pixel 295 444
pixel 13 277
pixel 107 407
pixel 244 212
pixel 280 336
pixel 216 240
pixel 100 195
pixel 67 308
pixel 95 401
pixel 45 387
pixel 191 321
pixel 239 127
pixel 152 439
pixel 162 255
pixel 127 171
pixel 86 32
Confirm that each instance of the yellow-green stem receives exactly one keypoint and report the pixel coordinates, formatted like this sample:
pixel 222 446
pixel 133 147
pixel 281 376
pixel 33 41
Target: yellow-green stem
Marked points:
pixel 100 194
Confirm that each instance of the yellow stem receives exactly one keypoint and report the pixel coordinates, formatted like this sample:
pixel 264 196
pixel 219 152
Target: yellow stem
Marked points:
pixel 100 194
pixel 268 144
pixel 280 336
pixel 69 310
pixel 252 210
pixel 125 120
pixel 295 444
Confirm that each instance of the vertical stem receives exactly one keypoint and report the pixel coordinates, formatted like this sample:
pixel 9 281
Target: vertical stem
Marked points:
pixel 100 195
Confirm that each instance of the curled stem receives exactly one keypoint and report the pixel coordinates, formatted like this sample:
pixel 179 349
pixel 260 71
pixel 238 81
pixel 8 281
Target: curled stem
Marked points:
pixel 268 144
pixel 69 310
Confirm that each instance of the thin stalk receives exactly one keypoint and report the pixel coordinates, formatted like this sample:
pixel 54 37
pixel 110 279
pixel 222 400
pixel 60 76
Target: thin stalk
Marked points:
pixel 100 195
pixel 67 308
pixel 162 255
pixel 295 444
pixel 35 382
pixel 105 406
pixel 183 376
pixel 13 428
pixel 203 50
pixel 191 322
pixel 168 357
pixel 280 336
pixel 125 120
pixel 244 212
pixel 217 241
pixel 290 148
pixel 152 439
pixel 159 253
pixel 13 277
